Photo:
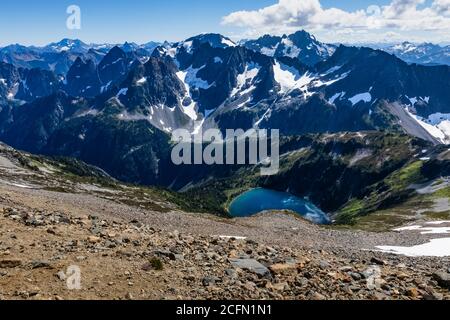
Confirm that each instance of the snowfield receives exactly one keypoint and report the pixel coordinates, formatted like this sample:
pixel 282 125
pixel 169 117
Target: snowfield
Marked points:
pixel 434 248
pixel 437 124
pixel 189 110
pixel 290 79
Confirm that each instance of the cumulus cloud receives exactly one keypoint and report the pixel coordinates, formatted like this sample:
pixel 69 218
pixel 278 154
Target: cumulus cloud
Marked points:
pixel 442 7
pixel 399 16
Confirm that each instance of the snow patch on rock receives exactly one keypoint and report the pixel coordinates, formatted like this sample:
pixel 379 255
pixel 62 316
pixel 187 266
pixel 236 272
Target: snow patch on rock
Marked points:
pixel 122 91
pixel 189 110
pixel 335 97
pixel 141 81
pixel 246 78
pixel 434 248
pixel 437 125
pixel 289 78
pixel 365 97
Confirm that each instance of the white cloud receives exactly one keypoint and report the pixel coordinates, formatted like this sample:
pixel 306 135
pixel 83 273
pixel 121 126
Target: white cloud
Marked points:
pixel 403 17
pixel 442 7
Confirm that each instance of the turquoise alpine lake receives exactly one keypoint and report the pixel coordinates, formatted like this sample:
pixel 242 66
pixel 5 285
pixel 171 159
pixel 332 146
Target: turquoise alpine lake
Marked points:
pixel 258 200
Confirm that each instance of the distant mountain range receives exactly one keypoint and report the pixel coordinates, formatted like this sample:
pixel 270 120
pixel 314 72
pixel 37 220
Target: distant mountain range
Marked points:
pixel 59 56
pixel 115 106
pixel 424 53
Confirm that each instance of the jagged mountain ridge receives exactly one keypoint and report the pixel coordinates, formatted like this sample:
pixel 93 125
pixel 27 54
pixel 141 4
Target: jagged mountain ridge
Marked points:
pixel 50 60
pixel 300 45
pixel 59 56
pixel 212 74
pixel 137 103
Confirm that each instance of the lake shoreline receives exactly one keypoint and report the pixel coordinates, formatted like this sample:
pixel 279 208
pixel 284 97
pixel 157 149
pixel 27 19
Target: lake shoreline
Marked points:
pixel 258 200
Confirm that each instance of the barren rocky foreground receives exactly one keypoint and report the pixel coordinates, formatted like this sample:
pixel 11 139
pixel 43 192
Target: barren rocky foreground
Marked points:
pixel 126 253
pixel 128 250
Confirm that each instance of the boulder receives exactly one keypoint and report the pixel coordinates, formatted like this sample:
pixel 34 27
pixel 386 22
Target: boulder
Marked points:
pixel 280 268
pixel 443 279
pixel 250 265
pixel 94 239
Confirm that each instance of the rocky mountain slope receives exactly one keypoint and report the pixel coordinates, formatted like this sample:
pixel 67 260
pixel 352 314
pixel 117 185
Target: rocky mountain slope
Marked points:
pixel 59 215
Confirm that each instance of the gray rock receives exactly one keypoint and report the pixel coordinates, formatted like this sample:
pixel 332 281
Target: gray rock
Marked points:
pixel 443 279
pixel 136 223
pixel 176 250
pixel 64 219
pixel 317 296
pixel 34 222
pixel 10 263
pixel 354 288
pixel 165 253
pixel 209 281
pixel 179 257
pixel 271 250
pixel 346 268
pixel 212 255
pixel 377 261
pixel 136 243
pixel 302 282
pixel 324 264
pixel 231 273
pixel 110 244
pixel 38 264
pixel 250 265
pixel 96 230
pixel 435 296
pixel 355 276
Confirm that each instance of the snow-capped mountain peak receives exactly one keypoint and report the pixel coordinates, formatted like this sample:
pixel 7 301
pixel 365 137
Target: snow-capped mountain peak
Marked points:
pixel 67 45
pixel 214 39
pixel 300 45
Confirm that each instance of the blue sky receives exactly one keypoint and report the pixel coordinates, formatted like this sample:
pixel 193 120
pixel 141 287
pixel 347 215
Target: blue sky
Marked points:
pixel 40 22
